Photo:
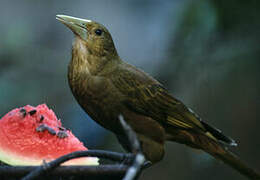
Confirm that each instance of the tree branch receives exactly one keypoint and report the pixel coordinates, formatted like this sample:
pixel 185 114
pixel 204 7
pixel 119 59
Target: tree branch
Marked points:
pixel 66 172
pixel 139 160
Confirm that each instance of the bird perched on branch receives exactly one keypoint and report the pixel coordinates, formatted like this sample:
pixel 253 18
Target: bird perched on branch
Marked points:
pixel 105 86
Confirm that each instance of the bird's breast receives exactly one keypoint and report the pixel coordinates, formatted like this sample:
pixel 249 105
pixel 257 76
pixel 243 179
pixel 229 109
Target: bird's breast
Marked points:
pixel 97 96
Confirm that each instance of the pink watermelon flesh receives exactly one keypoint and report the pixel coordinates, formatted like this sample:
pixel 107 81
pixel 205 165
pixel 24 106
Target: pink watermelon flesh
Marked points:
pixel 30 135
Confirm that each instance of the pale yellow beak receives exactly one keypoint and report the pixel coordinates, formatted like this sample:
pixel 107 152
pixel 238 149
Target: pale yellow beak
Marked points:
pixel 77 25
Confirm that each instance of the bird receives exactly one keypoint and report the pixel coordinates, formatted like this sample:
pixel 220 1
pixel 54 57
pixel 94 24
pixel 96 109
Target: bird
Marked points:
pixel 106 86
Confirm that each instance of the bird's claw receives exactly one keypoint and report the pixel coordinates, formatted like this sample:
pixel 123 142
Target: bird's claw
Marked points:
pixel 147 164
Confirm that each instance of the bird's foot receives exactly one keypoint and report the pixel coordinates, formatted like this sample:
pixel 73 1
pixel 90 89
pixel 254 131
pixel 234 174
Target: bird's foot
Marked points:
pixel 147 164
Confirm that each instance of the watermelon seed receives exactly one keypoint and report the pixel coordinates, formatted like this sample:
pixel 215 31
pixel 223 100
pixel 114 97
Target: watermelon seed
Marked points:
pixel 41 118
pixel 62 128
pixel 41 128
pixel 32 112
pixel 62 134
pixel 44 127
pixel 51 131
pixel 23 112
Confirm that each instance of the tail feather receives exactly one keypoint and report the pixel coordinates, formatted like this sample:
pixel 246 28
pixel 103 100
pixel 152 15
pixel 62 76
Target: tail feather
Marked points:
pixel 213 132
pixel 219 135
pixel 232 160
pixel 213 147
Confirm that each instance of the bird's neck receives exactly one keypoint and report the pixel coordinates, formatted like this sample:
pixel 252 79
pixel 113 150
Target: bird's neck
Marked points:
pixel 85 74
pixel 88 63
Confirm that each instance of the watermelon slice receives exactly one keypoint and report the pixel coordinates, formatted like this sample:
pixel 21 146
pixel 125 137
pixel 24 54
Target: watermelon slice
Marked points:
pixel 29 135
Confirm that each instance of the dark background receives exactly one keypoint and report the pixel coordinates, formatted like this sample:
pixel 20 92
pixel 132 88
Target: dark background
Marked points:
pixel 205 52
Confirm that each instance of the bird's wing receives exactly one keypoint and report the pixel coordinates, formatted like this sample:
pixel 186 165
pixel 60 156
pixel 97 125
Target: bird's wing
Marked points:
pixel 147 96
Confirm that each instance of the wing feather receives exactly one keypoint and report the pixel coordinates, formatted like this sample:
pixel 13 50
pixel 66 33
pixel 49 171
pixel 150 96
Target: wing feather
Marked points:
pixel 147 96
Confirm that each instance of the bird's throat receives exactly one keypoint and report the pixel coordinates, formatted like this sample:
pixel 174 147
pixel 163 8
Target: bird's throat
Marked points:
pixel 80 61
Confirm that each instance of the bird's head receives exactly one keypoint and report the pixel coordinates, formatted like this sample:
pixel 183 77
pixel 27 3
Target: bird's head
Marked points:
pixel 92 36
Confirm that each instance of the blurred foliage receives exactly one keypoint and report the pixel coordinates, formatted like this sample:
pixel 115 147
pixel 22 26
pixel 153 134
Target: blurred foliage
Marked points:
pixel 205 52
pixel 215 64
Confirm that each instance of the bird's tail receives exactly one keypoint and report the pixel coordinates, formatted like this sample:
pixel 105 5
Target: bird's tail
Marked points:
pixel 217 148
pixel 220 152
pixel 214 143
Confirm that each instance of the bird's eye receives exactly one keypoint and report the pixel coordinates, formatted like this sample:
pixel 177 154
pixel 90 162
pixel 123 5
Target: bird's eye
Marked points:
pixel 98 32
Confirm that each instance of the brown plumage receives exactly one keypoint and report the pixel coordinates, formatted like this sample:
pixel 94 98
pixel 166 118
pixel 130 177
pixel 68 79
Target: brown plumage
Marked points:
pixel 106 86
